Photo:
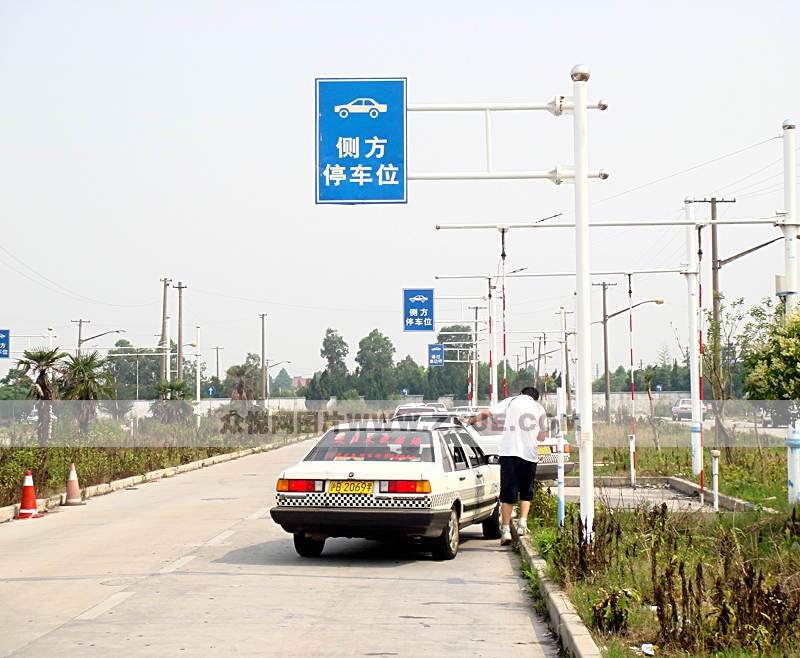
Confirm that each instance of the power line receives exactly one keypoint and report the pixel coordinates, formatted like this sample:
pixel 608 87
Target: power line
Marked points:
pixel 314 308
pixel 75 295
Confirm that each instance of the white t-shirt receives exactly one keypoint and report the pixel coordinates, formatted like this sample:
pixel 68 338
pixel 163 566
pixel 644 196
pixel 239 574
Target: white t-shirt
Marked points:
pixel 524 419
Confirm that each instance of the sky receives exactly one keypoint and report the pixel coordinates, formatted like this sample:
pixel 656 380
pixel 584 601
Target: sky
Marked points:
pixel 144 140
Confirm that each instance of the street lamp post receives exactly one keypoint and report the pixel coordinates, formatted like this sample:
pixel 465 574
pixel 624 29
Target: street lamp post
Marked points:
pixel 604 322
pixel 81 341
pixel 266 370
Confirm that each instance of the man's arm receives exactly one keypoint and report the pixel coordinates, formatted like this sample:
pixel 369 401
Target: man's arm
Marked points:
pixel 477 418
pixel 543 422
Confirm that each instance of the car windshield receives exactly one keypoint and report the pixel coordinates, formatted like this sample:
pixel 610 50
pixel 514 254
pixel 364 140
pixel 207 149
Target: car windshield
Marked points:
pixel 373 446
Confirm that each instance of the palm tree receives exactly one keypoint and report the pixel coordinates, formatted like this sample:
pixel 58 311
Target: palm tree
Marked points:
pixel 84 379
pixel 242 379
pixel 171 405
pixel 38 367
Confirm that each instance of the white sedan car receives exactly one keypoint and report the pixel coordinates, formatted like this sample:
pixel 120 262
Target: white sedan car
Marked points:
pixel 394 480
pixel 361 106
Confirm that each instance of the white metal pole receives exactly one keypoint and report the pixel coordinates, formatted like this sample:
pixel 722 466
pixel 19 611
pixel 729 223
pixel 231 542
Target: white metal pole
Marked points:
pixel 505 357
pixel 197 376
pixel 694 338
pixel 492 345
pixel 715 477
pixel 790 233
pixel 580 77
pixel 489 163
pixel 790 220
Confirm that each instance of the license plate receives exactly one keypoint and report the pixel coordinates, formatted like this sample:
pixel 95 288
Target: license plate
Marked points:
pixel 350 487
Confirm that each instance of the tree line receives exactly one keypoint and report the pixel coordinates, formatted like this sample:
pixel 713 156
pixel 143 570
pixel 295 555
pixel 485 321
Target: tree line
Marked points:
pixel 378 377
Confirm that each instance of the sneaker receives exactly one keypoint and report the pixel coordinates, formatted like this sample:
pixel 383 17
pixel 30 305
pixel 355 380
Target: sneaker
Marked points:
pixel 505 538
pixel 522 529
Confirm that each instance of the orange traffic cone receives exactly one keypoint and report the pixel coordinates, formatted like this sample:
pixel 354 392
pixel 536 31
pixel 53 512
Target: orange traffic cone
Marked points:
pixel 73 490
pixel 27 508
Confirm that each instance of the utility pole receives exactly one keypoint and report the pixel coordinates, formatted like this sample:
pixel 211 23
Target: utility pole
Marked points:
pixel 605 285
pixel 164 338
pixel 476 360
pixel 716 357
pixel 80 322
pixel 263 317
pixel 218 349
pixel 565 373
pixel 180 288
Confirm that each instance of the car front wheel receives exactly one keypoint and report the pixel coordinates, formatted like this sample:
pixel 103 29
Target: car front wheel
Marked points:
pixel 492 528
pixel 307 547
pixel 445 546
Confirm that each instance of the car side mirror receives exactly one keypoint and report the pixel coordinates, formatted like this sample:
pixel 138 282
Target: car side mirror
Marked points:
pixel 493 459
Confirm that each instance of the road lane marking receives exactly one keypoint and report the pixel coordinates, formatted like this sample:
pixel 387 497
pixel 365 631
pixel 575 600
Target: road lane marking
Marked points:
pixel 177 564
pixel 220 537
pixel 105 606
pixel 257 514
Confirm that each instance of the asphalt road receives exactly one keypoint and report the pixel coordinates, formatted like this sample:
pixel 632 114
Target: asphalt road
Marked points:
pixel 194 565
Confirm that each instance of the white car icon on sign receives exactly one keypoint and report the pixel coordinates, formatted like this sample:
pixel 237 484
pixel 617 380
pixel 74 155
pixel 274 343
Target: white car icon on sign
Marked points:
pixel 418 298
pixel 361 106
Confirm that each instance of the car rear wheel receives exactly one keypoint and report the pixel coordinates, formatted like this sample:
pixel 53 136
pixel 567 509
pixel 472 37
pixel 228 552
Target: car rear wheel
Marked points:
pixel 373 113
pixel 492 528
pixel 343 113
pixel 445 546
pixel 307 547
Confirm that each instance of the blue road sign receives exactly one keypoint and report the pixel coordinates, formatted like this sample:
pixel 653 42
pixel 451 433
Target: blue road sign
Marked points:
pixel 436 354
pixel 211 391
pixel 405 392
pixel 361 140
pixel 5 343
pixel 418 309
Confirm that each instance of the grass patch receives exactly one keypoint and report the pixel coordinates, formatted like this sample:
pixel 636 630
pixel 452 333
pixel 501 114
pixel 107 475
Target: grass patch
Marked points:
pixel 758 476
pixel 694 584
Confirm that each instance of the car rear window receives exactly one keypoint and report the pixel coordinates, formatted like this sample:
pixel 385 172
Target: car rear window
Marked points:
pixel 373 446
pixel 406 411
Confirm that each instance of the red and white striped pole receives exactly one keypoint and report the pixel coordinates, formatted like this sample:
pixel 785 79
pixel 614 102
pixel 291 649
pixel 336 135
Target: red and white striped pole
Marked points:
pixel 701 323
pixel 632 436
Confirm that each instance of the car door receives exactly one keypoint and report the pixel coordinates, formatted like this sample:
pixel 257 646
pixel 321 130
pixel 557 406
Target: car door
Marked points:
pixel 465 481
pixel 486 487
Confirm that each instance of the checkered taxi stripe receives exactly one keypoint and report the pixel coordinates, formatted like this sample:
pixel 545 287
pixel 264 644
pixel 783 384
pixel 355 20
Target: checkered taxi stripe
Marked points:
pixel 410 501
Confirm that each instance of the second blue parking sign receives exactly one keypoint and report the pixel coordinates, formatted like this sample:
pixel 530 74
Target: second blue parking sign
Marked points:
pixel 361 140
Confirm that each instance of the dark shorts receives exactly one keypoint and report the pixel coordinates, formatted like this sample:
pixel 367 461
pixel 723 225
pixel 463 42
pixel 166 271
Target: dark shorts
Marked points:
pixel 516 479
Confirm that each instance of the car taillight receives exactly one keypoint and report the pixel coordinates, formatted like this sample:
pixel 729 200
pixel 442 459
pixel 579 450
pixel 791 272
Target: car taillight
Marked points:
pixel 405 486
pixel 301 485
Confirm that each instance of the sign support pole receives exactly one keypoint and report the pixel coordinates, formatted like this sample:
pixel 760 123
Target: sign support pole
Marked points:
pixel 580 77
pixel 790 232
pixel 694 338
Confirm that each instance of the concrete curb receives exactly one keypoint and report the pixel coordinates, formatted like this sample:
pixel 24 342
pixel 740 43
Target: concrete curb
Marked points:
pixel 679 484
pixel 565 621
pixel 44 504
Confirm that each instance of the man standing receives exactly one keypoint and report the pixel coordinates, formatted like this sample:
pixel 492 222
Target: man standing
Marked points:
pixel 525 424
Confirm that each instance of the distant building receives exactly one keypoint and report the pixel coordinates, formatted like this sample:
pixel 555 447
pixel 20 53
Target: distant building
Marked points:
pixel 297 382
